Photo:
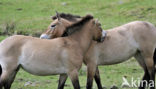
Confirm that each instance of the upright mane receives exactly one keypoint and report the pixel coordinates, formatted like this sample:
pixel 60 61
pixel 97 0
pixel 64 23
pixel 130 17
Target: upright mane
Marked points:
pixel 76 26
pixel 69 17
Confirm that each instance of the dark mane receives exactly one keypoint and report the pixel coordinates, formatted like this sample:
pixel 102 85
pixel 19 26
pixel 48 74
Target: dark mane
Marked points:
pixel 69 17
pixel 77 26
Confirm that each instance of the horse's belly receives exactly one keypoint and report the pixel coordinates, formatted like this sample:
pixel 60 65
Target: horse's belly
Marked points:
pixel 112 60
pixel 44 69
pixel 108 58
pixel 42 65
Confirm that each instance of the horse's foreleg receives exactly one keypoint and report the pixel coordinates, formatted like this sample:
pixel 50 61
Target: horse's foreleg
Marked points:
pixel 91 68
pixel 74 78
pixel 62 80
pixel 97 78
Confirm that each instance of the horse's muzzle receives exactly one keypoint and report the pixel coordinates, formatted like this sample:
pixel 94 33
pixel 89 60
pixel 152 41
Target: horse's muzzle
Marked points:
pixel 104 33
pixel 44 36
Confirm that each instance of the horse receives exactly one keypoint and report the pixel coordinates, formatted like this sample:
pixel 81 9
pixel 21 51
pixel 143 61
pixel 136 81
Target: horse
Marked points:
pixel 134 39
pixel 58 30
pixel 44 57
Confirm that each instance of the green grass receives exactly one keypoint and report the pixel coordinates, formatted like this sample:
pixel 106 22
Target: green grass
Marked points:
pixel 33 16
pixel 2 37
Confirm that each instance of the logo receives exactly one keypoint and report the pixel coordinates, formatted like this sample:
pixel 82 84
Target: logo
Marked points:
pixel 137 83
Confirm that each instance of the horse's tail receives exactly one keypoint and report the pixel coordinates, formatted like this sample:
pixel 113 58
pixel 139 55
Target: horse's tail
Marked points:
pixel 0 70
pixel 154 59
pixel 1 85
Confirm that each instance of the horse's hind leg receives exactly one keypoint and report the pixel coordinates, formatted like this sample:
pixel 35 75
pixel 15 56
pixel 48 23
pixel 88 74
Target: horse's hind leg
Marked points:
pixel 148 58
pixel 7 79
pixel 12 76
pixel 145 81
pixel 1 84
pixel 154 59
pixel 4 80
pixel 146 76
pixel 151 71
pixel 8 83
pixel 8 75
pixel 62 80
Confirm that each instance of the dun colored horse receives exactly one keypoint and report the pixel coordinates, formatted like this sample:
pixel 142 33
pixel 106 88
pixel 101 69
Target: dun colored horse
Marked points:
pixel 135 39
pixel 43 57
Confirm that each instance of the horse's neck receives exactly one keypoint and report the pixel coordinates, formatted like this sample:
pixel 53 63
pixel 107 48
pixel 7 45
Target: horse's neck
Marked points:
pixel 83 37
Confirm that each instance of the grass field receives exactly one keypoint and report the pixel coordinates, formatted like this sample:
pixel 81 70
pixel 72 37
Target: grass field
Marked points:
pixel 31 17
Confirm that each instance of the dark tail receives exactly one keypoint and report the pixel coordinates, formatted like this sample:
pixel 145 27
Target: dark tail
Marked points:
pixel 1 85
pixel 0 70
pixel 154 59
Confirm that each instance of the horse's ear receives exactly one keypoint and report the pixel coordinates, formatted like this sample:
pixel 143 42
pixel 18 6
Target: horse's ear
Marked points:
pixel 53 17
pixel 96 21
pixel 58 15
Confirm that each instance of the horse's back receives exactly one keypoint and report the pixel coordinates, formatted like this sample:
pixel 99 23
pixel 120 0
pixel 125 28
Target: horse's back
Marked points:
pixel 139 30
pixel 144 32
pixel 12 44
pixel 142 26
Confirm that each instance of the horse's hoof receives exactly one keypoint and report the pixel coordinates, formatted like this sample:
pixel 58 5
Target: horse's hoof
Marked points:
pixel 114 87
pixel 104 87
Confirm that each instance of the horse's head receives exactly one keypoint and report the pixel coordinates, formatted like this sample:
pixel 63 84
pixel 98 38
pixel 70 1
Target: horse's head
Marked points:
pixel 57 27
pixel 87 23
pixel 97 31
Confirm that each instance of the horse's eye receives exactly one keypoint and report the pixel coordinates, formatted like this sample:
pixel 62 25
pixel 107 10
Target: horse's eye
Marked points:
pixel 52 26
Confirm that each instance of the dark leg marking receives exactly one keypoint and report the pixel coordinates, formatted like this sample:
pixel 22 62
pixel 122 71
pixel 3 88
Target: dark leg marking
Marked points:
pixel 145 78
pixel 89 82
pixel 154 59
pixel 76 84
pixel 152 77
pixel 62 81
pixel 7 86
pixel 97 79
